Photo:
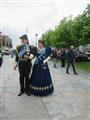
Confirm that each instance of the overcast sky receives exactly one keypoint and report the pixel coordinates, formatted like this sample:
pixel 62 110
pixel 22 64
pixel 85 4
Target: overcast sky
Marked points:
pixel 36 17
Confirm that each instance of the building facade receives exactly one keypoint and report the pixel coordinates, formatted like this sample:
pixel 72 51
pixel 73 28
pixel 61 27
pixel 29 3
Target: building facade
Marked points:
pixel 5 41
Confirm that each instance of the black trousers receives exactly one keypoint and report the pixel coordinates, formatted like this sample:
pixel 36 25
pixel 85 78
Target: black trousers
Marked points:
pixel 24 70
pixel 62 62
pixel 68 66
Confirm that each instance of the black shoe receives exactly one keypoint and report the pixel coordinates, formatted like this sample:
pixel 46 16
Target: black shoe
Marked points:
pixel 28 93
pixel 67 73
pixel 21 93
pixel 76 73
pixel 55 67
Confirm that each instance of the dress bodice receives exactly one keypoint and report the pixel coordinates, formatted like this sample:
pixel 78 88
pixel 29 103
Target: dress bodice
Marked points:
pixel 43 54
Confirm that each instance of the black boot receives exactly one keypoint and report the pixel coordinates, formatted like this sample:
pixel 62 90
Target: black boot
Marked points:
pixel 21 93
pixel 67 72
pixel 76 73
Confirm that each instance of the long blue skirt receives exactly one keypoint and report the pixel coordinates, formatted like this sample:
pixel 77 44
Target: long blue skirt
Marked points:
pixel 40 81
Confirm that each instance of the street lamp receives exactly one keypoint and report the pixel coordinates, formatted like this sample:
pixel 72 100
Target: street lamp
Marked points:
pixel 36 40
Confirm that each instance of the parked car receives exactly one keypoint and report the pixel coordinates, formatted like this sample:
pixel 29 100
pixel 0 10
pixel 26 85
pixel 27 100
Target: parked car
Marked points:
pixel 6 52
pixel 88 54
pixel 81 57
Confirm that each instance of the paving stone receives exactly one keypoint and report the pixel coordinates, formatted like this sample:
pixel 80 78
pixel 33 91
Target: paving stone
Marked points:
pixel 70 100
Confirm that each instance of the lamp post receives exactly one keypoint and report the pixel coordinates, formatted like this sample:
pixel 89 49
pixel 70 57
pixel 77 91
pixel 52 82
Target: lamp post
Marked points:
pixel 36 40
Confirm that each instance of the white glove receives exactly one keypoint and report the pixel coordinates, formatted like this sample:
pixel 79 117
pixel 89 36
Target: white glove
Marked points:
pixel 46 60
pixel 31 56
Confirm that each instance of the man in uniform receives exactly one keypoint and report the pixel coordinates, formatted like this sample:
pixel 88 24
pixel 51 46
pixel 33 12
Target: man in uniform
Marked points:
pixel 25 53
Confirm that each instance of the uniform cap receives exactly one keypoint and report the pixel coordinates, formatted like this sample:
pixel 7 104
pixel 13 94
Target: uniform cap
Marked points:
pixel 24 37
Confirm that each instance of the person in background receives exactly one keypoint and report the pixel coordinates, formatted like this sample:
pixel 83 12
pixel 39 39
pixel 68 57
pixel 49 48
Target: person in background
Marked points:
pixel 41 81
pixel 24 54
pixel 55 58
pixel 12 54
pixel 58 54
pixel 71 60
pixel 63 57
pixel 1 57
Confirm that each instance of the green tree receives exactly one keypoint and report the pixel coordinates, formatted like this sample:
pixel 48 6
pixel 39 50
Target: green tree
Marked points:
pixel 70 31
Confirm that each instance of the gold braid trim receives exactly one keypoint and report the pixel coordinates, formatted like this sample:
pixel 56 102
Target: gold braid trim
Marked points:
pixel 41 88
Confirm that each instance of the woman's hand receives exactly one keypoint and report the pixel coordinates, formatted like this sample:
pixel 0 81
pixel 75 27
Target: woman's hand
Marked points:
pixel 45 61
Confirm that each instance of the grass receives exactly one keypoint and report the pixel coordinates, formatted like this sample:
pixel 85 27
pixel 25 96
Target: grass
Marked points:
pixel 84 66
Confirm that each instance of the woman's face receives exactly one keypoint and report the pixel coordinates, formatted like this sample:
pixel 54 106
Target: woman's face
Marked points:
pixel 40 45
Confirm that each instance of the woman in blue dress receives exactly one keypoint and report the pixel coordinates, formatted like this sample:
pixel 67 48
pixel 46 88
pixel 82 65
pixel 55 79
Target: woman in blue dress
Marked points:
pixel 41 82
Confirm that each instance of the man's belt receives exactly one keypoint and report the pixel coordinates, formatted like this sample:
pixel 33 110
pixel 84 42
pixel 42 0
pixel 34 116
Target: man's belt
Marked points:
pixel 24 59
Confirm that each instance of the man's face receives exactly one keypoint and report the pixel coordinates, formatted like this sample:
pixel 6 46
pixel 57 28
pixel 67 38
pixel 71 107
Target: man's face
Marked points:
pixel 72 48
pixel 24 41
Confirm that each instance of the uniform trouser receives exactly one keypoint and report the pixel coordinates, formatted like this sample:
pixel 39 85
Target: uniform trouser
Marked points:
pixel 68 66
pixel 24 70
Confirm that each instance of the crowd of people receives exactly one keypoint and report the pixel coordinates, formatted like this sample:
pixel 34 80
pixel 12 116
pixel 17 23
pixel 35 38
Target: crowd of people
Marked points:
pixel 65 55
